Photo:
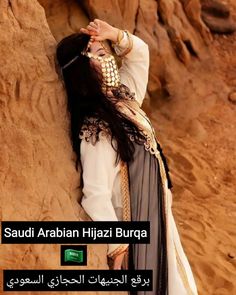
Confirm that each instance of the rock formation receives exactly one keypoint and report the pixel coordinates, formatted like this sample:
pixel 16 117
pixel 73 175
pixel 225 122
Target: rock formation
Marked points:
pixel 188 101
pixel 217 16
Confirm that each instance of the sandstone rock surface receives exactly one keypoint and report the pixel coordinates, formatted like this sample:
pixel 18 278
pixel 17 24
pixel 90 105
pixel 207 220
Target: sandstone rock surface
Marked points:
pixel 192 74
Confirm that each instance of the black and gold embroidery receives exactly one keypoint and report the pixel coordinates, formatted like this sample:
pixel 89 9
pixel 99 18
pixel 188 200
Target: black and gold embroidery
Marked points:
pixel 126 103
pixel 93 128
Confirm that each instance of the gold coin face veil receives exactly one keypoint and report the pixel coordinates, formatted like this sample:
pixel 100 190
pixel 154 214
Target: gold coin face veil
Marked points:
pixel 109 68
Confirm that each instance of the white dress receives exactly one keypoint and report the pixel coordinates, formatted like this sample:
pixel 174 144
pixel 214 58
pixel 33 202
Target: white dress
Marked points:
pixel 102 198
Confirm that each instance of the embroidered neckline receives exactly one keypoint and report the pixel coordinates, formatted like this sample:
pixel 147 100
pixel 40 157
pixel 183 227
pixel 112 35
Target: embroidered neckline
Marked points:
pixel 93 127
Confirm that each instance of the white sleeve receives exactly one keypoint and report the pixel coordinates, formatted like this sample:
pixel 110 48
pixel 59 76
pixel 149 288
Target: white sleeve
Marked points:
pixel 135 66
pixel 99 171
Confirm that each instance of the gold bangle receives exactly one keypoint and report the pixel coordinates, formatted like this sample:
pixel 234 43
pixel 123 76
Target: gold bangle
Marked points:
pixel 120 36
pixel 118 251
pixel 130 46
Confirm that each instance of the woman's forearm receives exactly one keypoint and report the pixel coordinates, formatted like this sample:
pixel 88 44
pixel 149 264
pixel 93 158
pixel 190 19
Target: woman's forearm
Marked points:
pixel 113 34
pixel 135 65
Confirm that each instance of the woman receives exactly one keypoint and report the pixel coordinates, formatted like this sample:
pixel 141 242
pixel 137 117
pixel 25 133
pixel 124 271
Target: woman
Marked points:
pixel 124 172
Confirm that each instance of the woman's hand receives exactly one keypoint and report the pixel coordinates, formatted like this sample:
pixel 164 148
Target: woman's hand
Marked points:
pixel 118 261
pixel 100 30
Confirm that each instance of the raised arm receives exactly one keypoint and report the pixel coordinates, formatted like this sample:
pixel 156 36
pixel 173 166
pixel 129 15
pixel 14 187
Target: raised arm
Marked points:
pixel 135 65
pixel 99 171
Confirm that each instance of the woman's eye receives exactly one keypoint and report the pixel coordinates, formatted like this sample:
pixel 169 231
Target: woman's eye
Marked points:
pixel 102 54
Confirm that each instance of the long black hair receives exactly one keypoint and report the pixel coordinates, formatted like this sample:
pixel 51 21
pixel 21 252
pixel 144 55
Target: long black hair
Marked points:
pixel 86 98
